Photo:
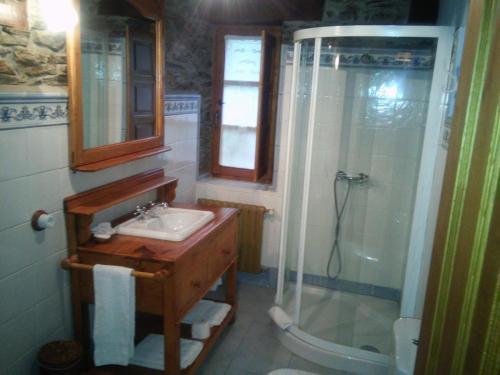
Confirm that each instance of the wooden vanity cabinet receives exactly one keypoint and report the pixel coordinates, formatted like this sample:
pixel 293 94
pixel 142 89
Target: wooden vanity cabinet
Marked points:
pixel 183 273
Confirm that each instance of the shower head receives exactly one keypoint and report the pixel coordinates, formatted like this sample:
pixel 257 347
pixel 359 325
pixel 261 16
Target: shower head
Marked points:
pixel 356 178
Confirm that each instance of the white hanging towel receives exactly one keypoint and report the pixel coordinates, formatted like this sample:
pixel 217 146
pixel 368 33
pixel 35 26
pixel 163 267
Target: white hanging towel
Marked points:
pixel 149 352
pixel 114 321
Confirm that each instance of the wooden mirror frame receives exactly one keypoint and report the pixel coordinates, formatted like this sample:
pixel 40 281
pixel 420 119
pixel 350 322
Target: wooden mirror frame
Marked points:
pixel 101 157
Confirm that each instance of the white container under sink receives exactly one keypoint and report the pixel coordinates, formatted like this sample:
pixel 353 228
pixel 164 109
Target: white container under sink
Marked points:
pixel 171 224
pixel 406 331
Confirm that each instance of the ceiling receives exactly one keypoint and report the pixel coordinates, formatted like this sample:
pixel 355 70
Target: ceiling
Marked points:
pixel 260 11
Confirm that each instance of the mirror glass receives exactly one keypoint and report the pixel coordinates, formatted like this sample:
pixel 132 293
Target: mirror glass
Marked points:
pixel 117 73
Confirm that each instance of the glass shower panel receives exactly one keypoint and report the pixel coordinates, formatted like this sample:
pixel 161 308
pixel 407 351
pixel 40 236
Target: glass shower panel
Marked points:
pixel 302 97
pixel 370 115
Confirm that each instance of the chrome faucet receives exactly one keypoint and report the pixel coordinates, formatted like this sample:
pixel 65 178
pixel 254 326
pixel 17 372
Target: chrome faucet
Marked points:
pixel 141 213
pixel 149 210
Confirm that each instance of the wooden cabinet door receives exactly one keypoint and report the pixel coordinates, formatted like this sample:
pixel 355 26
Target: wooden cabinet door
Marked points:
pixel 141 81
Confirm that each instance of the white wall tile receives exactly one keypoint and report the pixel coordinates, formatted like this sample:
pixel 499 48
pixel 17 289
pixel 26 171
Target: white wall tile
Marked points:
pixel 14 202
pixel 319 240
pixel 49 275
pixel 47 148
pixel 19 338
pixel 181 128
pixel 19 293
pixel 186 176
pixel 25 365
pixel 49 317
pixel 270 241
pixel 13 156
pixel 44 193
pixel 21 246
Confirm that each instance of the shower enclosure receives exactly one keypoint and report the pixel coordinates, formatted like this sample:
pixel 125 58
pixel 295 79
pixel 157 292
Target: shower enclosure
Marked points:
pixel 363 177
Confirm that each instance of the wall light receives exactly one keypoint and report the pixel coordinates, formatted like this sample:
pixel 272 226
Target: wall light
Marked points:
pixel 58 15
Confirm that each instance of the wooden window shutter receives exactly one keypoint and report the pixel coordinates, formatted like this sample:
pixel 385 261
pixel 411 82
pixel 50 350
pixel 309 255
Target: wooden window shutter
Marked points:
pixel 141 83
pixel 264 155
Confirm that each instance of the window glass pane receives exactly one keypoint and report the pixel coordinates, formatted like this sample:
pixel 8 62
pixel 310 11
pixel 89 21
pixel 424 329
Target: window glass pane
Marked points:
pixel 241 101
pixel 237 147
pixel 240 105
pixel 242 58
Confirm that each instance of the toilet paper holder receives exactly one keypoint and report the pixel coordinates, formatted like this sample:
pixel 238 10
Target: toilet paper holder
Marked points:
pixel 41 220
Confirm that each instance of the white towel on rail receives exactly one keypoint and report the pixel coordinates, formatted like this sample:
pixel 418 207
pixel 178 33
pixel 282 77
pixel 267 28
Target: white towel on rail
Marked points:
pixel 149 352
pixel 114 320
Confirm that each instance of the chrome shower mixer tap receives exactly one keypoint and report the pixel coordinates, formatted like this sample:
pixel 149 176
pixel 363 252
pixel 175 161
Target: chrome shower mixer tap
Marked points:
pixel 358 178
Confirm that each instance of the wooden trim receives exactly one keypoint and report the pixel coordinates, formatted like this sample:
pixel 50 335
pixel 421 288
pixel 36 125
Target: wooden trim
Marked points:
pixel 95 200
pixel 72 263
pixel 461 307
pixel 103 164
pixel 217 93
pixel 114 153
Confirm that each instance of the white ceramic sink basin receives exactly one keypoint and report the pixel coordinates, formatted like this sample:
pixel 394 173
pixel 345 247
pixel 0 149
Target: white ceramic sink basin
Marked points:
pixel 171 224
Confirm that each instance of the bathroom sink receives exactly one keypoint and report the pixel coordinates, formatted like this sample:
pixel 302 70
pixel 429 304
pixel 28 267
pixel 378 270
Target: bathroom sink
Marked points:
pixel 171 224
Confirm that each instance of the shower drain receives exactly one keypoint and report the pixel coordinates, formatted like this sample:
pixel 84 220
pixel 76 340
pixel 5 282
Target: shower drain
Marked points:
pixel 370 348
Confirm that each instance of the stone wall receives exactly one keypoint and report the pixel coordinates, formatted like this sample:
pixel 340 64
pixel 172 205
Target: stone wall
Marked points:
pixel 32 57
pixel 354 12
pixel 189 64
pixel 366 12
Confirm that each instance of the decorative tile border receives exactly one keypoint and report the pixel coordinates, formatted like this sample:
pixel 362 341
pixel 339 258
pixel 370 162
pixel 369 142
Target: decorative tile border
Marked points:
pixel 23 110
pixel 111 47
pixel 181 104
pixel 269 278
pixel 377 58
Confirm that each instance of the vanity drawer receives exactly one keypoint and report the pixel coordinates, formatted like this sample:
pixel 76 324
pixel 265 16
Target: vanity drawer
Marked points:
pixel 224 250
pixel 191 278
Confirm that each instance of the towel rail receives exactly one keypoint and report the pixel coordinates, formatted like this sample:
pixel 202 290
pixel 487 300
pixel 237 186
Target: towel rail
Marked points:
pixel 73 263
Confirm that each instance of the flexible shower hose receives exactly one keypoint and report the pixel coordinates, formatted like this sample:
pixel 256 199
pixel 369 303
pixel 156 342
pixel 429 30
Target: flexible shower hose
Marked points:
pixel 339 213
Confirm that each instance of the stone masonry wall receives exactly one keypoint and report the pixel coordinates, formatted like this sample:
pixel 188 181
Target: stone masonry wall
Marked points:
pixel 33 57
pixel 189 41
pixel 366 12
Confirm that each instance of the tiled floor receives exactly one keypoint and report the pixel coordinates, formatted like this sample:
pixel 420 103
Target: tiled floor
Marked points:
pixel 250 346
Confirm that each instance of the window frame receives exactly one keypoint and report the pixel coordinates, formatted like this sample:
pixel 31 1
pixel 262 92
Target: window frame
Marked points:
pixel 263 170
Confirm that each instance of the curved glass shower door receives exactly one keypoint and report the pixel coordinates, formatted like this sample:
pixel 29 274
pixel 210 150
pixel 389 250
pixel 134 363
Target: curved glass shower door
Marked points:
pixel 362 151
pixel 371 106
pixel 302 102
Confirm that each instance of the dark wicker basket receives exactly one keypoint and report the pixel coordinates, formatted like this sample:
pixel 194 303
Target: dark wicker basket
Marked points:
pixel 60 357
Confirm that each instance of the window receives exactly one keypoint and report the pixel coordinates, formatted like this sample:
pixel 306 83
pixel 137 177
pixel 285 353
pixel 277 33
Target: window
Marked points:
pixel 244 102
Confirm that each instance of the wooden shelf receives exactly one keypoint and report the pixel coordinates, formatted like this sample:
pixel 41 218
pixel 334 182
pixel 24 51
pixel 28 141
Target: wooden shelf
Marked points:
pixel 103 164
pixel 209 342
pixel 191 370
pixel 95 200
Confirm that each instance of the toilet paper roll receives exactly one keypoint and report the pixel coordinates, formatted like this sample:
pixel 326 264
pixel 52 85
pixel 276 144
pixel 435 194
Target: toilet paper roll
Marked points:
pixel 46 221
pixel 200 331
pixel 41 220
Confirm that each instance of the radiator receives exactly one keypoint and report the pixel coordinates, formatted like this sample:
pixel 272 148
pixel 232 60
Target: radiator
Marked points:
pixel 251 225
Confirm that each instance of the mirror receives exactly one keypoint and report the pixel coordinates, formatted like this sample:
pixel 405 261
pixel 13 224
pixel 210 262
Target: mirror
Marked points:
pixel 115 68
